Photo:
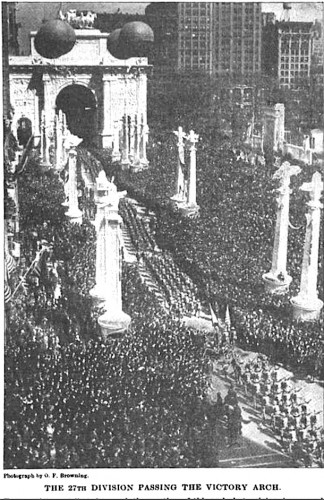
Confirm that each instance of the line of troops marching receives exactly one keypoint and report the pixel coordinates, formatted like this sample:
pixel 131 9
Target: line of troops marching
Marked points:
pixel 178 288
pixel 282 407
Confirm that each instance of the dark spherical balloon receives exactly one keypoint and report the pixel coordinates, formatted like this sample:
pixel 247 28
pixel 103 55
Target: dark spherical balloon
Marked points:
pixel 136 39
pixel 54 39
pixel 113 44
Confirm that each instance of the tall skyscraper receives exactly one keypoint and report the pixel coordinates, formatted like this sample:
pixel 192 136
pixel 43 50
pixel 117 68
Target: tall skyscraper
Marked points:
pixel 220 38
pixel 318 43
pixel 195 37
pixel 237 29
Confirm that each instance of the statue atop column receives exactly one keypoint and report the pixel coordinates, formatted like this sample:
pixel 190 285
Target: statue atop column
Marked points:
pixel 306 305
pixel 185 197
pixel 277 280
pixel 179 187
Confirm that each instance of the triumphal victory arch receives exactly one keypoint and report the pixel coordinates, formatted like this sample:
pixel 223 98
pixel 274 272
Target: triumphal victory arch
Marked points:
pixel 86 92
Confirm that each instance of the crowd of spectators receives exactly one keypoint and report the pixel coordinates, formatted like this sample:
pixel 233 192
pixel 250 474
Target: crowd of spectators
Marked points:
pixel 72 401
pixel 133 402
pixel 229 247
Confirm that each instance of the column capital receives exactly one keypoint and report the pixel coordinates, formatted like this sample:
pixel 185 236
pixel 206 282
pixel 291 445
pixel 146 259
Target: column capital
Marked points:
pixel 46 78
pixel 193 137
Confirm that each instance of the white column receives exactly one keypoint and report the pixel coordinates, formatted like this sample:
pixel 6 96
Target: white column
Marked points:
pixel 107 132
pixel 49 109
pixel 116 146
pixel 125 127
pixel 142 108
pixel 307 305
pixel 37 132
pixel 66 192
pixel 107 290
pixel 125 150
pixel 42 137
pixel 137 138
pixel 141 139
pixel 137 119
pixel 114 321
pixel 98 292
pixel 145 136
pixel 74 214
pixel 59 144
pixel 279 125
pixel 179 185
pixel 193 139
pixel 132 138
pixel 64 134
pixel 277 280
pixel 56 141
pixel 46 142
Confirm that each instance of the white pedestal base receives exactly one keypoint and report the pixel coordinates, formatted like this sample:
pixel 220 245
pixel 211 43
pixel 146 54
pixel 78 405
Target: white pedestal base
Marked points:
pixel 113 323
pixel 136 167
pixel 46 165
pixel 188 210
pixel 144 163
pixel 275 285
pixel 178 200
pixel 75 216
pixel 304 310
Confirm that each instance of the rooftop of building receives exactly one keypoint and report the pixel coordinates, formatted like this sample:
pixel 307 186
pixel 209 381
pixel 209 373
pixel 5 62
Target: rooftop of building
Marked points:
pixel 294 25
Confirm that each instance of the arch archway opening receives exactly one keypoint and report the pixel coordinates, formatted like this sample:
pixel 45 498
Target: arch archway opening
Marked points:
pixel 80 107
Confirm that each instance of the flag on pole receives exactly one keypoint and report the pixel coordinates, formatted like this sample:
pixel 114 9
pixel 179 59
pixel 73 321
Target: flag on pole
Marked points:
pixel 7 293
pixel 10 263
pixel 214 318
pixel 227 318
pixel 39 268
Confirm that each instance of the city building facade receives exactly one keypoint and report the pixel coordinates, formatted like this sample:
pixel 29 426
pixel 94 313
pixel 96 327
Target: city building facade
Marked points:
pixel 295 53
pixel 221 39
pixel 287 52
pixel 237 29
pixel 195 38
